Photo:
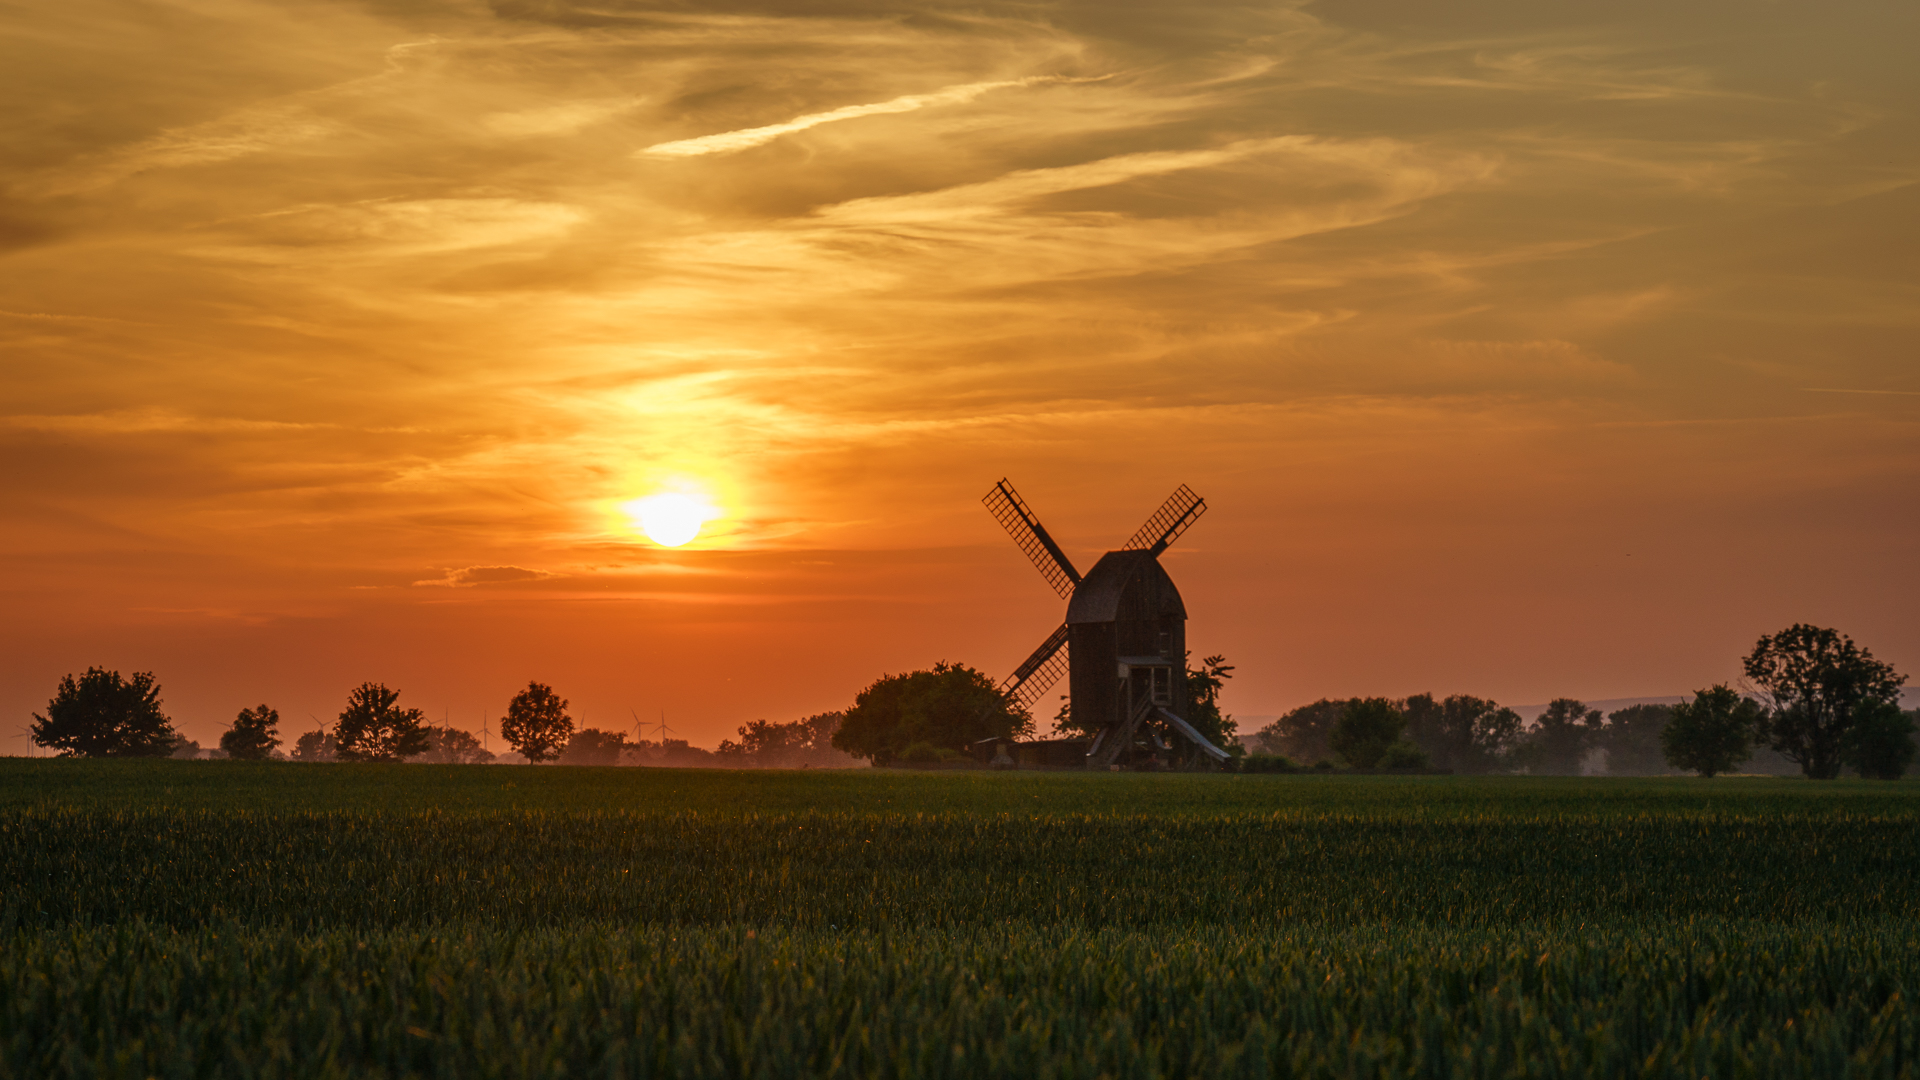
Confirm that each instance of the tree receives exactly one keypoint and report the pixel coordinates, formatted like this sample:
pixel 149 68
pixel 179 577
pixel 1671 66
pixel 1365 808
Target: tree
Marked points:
pixel 950 707
pixel 1366 729
pixel 451 746
pixel 1463 733
pixel 1063 724
pixel 793 745
pixel 101 715
pixel 670 754
pixel 1302 733
pixel 1879 745
pixel 1816 681
pixel 1713 732
pixel 1204 684
pixel 254 734
pixel 591 746
pixel 1561 738
pixel 1632 740
pixel 537 724
pixel 373 728
pixel 316 746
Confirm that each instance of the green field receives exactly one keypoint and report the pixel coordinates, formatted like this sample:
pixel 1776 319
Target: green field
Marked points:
pixel 237 919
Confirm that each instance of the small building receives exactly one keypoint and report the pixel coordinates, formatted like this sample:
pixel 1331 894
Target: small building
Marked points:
pixel 1003 753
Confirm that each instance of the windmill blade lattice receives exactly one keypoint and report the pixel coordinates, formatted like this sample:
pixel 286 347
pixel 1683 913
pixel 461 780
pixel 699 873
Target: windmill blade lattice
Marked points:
pixel 1040 671
pixel 1011 512
pixel 1174 517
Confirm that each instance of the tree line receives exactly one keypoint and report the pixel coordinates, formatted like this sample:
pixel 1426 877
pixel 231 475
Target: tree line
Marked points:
pixel 101 715
pixel 1813 696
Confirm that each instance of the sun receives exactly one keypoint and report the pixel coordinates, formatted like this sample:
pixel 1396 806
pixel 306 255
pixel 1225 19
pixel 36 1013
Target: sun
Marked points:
pixel 671 518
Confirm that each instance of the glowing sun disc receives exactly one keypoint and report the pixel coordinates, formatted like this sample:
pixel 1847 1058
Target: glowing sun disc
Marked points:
pixel 670 519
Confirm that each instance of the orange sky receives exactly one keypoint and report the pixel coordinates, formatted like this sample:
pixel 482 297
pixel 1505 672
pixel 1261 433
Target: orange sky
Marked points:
pixel 1525 351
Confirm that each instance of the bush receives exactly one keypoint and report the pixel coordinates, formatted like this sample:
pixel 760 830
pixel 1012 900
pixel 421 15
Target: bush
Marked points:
pixel 1269 763
pixel 925 753
pixel 1403 755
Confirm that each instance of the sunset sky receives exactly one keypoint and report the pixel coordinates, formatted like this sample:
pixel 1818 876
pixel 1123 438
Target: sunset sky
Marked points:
pixel 1519 349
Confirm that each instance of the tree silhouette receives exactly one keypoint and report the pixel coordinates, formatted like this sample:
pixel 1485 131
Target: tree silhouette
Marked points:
pixel 591 746
pixel 101 715
pixel 372 728
pixel 315 746
pixel 254 734
pixel 537 724
pixel 1713 732
pixel 1879 745
pixel 451 746
pixel 1204 684
pixel 792 745
pixel 1366 729
pixel 1302 733
pixel 1632 740
pixel 1463 733
pixel 1561 738
pixel 947 708
pixel 1817 681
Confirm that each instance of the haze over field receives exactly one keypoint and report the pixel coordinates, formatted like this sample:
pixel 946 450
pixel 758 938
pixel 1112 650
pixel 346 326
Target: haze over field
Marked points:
pixel 1543 350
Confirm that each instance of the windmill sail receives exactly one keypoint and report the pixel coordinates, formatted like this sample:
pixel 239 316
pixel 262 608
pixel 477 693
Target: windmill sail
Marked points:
pixel 1040 672
pixel 1011 512
pixel 1174 517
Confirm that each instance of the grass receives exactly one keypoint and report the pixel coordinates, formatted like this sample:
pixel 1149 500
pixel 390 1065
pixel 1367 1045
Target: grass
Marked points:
pixel 284 787
pixel 1659 999
pixel 232 919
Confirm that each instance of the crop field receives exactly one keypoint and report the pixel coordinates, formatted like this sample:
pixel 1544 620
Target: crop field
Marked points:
pixel 202 919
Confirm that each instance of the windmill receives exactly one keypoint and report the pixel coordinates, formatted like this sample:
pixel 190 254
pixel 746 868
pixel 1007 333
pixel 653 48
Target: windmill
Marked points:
pixel 1123 645
pixel 659 749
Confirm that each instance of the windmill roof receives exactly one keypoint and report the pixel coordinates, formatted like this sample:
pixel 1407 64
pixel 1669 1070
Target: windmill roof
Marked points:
pixel 1125 584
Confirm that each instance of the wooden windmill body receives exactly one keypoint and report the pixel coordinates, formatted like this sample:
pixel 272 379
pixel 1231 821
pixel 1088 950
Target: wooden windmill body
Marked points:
pixel 1123 645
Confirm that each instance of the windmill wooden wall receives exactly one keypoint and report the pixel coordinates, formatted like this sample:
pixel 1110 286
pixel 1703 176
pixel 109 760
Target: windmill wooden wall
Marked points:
pixel 1126 610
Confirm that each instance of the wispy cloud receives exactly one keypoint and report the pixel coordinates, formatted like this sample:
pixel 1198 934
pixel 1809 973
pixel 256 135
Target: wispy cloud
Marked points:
pixel 728 142
pixel 469 576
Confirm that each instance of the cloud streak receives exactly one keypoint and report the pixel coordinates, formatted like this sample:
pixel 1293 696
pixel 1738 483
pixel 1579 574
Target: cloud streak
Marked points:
pixel 470 576
pixel 732 142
